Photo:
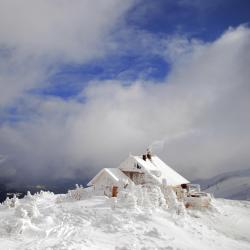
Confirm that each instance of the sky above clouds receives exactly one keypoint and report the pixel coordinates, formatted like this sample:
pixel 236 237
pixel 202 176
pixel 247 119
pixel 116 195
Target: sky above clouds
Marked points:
pixel 85 83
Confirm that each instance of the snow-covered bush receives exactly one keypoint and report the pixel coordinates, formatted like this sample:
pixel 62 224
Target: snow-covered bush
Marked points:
pixel 154 196
pixel 143 196
pixel 127 197
pixel 79 193
pixel 171 199
pixel 27 210
pixel 11 202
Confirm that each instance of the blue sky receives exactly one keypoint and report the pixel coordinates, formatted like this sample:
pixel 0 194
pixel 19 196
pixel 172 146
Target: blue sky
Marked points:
pixel 84 83
pixel 203 20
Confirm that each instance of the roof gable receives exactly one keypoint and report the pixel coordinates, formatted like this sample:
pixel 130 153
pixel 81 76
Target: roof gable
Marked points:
pixel 155 167
pixel 114 173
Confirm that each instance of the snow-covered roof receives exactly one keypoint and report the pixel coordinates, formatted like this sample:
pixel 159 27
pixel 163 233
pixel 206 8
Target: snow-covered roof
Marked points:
pixel 115 173
pixel 155 167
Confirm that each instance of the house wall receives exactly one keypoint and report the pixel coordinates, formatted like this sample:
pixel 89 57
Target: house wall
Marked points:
pixel 136 177
pixel 130 165
pixel 104 184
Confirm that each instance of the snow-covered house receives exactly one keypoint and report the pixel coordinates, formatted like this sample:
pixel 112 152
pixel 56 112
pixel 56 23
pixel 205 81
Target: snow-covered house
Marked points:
pixel 139 170
pixel 150 168
pixel 142 170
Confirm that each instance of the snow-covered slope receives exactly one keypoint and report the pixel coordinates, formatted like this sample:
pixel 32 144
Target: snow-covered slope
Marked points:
pixel 232 185
pixel 74 221
pixel 232 188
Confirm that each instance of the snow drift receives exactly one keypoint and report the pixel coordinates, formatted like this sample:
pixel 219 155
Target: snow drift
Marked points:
pixel 138 218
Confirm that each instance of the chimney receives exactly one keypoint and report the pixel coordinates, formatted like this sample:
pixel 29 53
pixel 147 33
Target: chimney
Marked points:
pixel 144 157
pixel 149 154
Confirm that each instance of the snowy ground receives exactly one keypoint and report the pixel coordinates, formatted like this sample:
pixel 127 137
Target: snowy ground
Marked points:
pixel 48 221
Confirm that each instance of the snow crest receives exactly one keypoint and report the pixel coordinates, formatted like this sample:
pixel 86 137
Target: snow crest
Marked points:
pixel 139 218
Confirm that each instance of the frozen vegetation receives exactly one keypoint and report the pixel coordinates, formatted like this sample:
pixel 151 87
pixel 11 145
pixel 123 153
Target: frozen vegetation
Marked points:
pixel 139 218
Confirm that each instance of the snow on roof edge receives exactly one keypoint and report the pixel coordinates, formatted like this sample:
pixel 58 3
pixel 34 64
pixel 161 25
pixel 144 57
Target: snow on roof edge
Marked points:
pixel 110 171
pixel 173 177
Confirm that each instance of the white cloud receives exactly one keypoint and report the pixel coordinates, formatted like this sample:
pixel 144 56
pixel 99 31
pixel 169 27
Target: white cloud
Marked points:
pixel 62 30
pixel 179 48
pixel 200 113
pixel 36 36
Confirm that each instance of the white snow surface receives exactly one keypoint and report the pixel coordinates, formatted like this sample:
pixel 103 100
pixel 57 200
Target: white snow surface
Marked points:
pixel 136 219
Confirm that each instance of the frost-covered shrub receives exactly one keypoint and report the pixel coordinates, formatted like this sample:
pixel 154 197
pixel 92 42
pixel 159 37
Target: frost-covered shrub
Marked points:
pixel 145 201
pixel 27 210
pixel 154 196
pixel 13 202
pixel 29 195
pixel 171 199
pixel 127 197
pixel 21 212
pixel 79 193
pixel 144 196
pixel 43 194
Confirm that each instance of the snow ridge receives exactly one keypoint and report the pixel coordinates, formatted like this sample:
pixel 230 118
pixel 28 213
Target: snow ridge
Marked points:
pixel 139 218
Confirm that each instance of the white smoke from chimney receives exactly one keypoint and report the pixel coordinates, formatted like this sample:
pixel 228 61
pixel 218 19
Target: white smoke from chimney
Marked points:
pixel 158 145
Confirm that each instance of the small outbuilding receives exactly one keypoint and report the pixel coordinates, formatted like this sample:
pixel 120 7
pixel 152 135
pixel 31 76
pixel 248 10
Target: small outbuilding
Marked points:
pixel 109 180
